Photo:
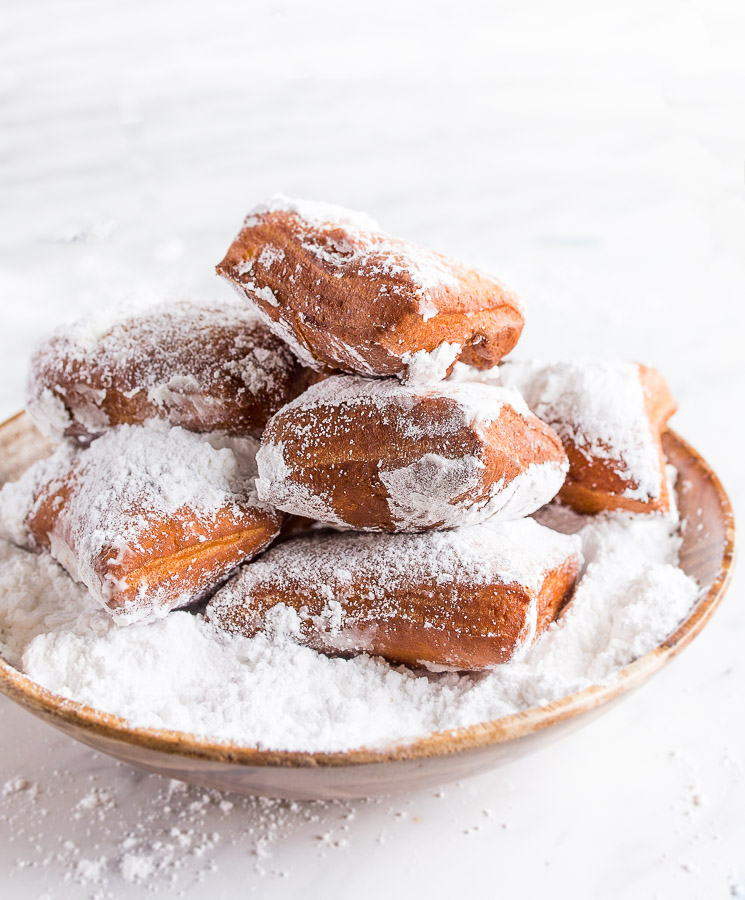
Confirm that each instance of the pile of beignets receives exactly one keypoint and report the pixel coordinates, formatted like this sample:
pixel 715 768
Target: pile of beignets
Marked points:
pixel 340 456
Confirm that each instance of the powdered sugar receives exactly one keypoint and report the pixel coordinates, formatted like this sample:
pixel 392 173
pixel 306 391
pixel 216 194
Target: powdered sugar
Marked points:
pixel 36 597
pixel 427 308
pixel 270 692
pixel 429 490
pixel 80 841
pixel 599 406
pixel 445 480
pixel 263 293
pixel 424 366
pixel 292 496
pixel 270 255
pixel 314 211
pixel 49 408
pixel 479 404
pixel 526 493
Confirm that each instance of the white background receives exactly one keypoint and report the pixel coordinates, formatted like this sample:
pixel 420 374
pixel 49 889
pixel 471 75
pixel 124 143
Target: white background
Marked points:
pixel 593 155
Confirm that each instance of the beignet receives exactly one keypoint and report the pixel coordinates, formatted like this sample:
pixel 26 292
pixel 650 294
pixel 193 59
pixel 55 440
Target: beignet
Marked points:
pixel 207 366
pixel 468 598
pixel 609 415
pixel 378 455
pixel 147 518
pixel 345 295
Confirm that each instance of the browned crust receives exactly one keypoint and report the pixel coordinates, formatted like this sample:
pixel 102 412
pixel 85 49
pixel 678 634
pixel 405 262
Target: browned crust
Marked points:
pixel 370 309
pixel 514 442
pixel 339 454
pixel 174 557
pixel 458 626
pixel 595 484
pixel 86 382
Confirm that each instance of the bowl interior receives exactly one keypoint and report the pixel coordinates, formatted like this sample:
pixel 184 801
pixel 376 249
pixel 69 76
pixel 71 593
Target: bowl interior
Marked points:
pixel 706 554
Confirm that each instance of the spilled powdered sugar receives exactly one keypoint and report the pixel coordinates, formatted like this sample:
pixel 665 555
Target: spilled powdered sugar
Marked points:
pixel 126 832
pixel 267 691
pixel 599 406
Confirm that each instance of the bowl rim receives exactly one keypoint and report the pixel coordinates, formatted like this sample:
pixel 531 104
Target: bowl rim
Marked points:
pixel 69 715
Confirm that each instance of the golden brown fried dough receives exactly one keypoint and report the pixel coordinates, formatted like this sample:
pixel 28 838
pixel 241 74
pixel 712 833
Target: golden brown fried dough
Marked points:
pixel 468 598
pixel 374 454
pixel 205 366
pixel 147 519
pixel 347 296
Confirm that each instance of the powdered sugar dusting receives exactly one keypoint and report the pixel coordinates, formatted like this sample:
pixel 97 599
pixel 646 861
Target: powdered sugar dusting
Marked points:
pixel 314 211
pixel 276 487
pixel 424 366
pixel 263 293
pixel 510 553
pixel 427 489
pixel 526 493
pixel 598 405
pixel 479 404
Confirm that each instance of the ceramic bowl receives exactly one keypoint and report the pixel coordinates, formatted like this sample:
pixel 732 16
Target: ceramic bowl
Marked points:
pixel 707 554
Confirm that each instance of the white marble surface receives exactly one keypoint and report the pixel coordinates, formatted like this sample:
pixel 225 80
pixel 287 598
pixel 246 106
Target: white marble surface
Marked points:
pixel 590 153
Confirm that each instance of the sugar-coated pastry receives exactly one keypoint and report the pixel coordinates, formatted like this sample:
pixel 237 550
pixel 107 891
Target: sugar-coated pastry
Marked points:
pixel 378 455
pixel 345 295
pixel 207 366
pixel 609 415
pixel 467 598
pixel 147 518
